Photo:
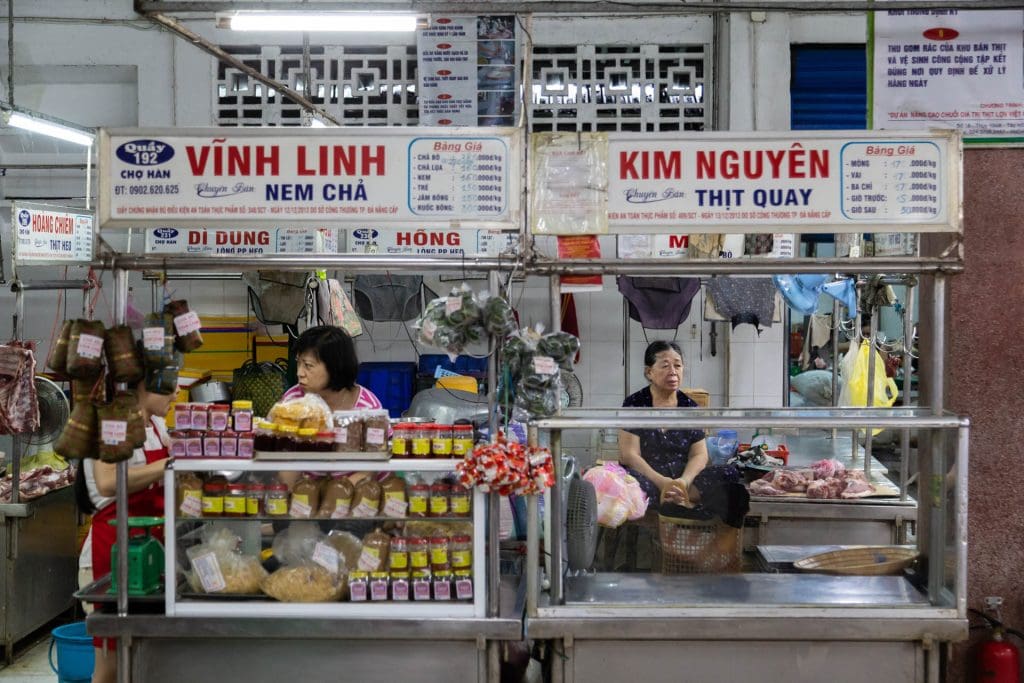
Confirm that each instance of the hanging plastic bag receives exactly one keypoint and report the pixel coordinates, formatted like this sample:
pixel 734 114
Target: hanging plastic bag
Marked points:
pixel 619 496
pixel 855 386
pixel 335 308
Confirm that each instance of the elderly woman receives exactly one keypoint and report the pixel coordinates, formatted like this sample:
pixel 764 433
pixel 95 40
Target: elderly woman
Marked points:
pixel 671 465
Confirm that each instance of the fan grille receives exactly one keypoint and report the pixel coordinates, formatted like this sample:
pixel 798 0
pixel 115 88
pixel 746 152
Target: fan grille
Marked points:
pixel 53 412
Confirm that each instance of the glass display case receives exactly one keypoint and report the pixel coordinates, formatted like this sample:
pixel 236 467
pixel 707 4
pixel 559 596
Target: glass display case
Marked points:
pixel 374 539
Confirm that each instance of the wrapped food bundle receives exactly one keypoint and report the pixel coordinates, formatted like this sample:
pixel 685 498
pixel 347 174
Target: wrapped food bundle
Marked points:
pixel 314 569
pixel 218 566
pixel 58 357
pixel 122 428
pixel 451 322
pixel 85 349
pixel 158 340
pixel 507 468
pixel 186 326
pixel 123 358
pixel 78 440
pixel 498 318
pixel 306 583
pixel 309 411
pixel 163 379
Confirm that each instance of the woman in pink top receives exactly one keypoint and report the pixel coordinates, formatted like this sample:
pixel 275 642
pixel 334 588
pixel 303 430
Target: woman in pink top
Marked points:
pixel 327 365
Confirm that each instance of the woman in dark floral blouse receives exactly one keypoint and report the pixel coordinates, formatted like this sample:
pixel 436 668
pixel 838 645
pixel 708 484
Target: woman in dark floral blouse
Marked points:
pixel 672 465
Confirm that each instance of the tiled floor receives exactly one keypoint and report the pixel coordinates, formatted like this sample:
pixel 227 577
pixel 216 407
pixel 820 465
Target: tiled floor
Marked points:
pixel 31 665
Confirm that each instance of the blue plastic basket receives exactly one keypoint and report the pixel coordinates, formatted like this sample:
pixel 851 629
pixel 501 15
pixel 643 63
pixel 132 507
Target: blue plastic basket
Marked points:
pixel 391 382
pixel 75 654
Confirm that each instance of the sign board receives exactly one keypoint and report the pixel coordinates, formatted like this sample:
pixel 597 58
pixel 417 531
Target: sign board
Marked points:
pixel 949 68
pixel 847 181
pixel 45 234
pixel 308 176
pixel 241 242
pixel 431 242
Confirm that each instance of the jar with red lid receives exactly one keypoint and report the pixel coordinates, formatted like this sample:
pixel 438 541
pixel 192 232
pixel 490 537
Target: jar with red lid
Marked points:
pixel 419 499
pixel 401 440
pixel 441 441
pixel 245 445
pixel 460 500
pixel 461 551
pixel 179 443
pixel 200 417
pixel 218 418
pixel 183 416
pixel 462 440
pixel 439 553
pixel 234 500
pixel 228 444
pixel 211 445
pixel 324 442
pixel 254 499
pixel 194 444
pixel 277 500
pixel 439 499
pixel 421 437
pixel 213 498
pixel 419 553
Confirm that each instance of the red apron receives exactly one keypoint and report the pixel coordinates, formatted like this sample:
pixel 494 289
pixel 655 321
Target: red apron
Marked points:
pixel 148 502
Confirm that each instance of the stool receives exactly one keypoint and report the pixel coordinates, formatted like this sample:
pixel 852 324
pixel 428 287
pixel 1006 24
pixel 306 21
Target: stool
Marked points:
pixel 690 546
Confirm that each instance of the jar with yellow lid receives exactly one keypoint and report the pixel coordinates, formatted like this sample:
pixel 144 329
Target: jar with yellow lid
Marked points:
pixel 379 584
pixel 287 438
pixel 241 415
pixel 421 585
pixel 358 586
pixel 266 437
pixel 463 581
pixel 306 439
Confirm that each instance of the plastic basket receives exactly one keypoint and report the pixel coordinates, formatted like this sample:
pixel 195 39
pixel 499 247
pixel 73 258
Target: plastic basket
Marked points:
pixel 691 546
pixel 391 382
pixel 862 561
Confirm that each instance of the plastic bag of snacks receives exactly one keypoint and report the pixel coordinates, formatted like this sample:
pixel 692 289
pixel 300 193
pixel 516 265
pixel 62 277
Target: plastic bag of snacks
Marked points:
pixel 308 411
pixel 452 322
pixel 619 496
pixel 507 468
pixel 535 361
pixel 498 318
pixel 218 566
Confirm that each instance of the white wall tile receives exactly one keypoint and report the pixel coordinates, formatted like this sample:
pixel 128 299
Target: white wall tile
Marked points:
pixel 768 364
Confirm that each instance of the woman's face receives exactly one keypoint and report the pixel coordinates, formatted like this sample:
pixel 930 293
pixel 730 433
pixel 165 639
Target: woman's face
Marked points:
pixel 667 371
pixel 312 373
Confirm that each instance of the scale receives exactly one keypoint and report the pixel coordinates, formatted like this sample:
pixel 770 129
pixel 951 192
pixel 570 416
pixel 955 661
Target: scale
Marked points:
pixel 145 558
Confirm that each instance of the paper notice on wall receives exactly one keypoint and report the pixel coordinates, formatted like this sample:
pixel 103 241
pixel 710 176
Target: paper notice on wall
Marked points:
pixel 652 246
pixel 949 68
pixel 579 247
pixel 570 183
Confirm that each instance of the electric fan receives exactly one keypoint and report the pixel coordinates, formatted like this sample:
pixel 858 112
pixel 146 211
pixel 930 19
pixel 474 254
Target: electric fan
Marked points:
pixel 580 525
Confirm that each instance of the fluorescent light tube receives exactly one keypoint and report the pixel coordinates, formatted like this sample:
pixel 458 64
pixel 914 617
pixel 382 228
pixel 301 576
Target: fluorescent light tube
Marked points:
pixel 317 21
pixel 44 127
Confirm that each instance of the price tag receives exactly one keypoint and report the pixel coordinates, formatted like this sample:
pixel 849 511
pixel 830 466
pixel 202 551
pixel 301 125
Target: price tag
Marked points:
pixel 341 435
pixel 113 432
pixel 187 323
pixel 300 509
pixel 369 560
pixel 394 507
pixel 90 346
pixel 153 338
pixel 464 589
pixel 544 365
pixel 208 569
pixel 453 304
pixel 428 329
pixel 191 506
pixel 375 436
pixel 326 556
pixel 341 509
pixel 364 509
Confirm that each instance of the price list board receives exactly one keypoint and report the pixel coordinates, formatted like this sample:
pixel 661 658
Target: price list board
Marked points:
pixel 458 177
pixel 892 181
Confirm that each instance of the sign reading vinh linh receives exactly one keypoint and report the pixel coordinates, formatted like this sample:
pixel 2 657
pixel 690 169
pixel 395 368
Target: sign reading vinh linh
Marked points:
pixel 808 182
pixel 215 177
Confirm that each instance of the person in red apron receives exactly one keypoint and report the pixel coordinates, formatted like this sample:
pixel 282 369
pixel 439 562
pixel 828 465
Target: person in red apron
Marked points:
pixel 145 499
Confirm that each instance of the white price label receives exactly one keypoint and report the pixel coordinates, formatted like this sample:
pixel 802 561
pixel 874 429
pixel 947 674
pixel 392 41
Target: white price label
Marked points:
pixel 208 569
pixel 453 304
pixel 341 509
pixel 341 435
pixel 153 338
pixel 394 507
pixel 187 323
pixel 369 560
pixel 113 432
pixel 375 436
pixel 300 509
pixel 365 509
pixel 90 346
pixel 191 506
pixel 544 365
pixel 326 556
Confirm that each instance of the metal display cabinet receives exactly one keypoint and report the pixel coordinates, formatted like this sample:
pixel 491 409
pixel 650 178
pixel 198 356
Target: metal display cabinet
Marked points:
pixel 605 626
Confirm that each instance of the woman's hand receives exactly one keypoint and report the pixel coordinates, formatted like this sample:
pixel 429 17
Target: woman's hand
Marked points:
pixel 676 491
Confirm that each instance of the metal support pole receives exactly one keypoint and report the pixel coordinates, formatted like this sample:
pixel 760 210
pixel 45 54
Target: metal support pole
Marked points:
pixel 835 359
pixel 493 499
pixel 532 544
pixel 932 481
pixel 908 334
pixel 857 338
pixel 872 353
pixel 554 540
pixel 15 462
pixel 938 344
pixel 123 645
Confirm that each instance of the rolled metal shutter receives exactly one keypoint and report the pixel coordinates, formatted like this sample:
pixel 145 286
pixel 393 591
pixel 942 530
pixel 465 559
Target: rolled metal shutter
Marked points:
pixel 828 89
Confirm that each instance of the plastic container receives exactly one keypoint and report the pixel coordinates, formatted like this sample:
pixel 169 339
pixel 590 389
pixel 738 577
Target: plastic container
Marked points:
pixel 200 416
pixel 441 441
pixel 324 442
pixel 419 553
pixel 400 586
pixel 194 444
pixel 462 440
pixel 306 439
pixel 183 416
pixel 722 446
pixel 401 440
pixel 241 416
pixel 461 551
pixel 179 443
pixel 277 500
pixel 391 382
pixel 375 431
pixel 358 586
pixel 419 499
pixel 219 418
pixel 211 445
pixel 398 556
pixel 235 500
pixel 463 582
pixel 246 445
pixel 460 500
pixel 440 502
pixel 265 438
pixel 75 654
pixel 213 499
pixel 422 435
pixel 255 499
pixel 228 444
pixel 439 553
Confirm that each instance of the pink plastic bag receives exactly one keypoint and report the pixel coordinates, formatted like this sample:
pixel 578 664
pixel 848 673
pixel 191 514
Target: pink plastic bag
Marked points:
pixel 619 496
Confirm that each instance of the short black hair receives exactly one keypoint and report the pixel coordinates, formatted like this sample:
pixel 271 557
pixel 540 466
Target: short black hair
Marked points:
pixel 656 347
pixel 336 351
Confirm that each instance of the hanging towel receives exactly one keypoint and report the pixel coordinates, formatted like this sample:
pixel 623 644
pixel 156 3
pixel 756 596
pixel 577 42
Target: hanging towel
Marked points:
pixel 660 303
pixel 744 300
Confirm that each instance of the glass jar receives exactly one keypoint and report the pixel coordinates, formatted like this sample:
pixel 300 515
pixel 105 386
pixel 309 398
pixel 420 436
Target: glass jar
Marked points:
pixel 461 551
pixel 183 416
pixel 419 553
pixel 462 440
pixel 287 438
pixel 358 586
pixel 190 494
pixel 246 445
pixel 379 585
pixel 421 585
pixel 463 581
pixel 324 442
pixel 439 553
pixel 255 499
pixel 200 417
pixel 400 586
pixel 441 441
pixel 179 443
pixel 461 499
pixel 401 440
pixel 421 437
pixel 241 416
pixel 277 500
pixel 306 439
pixel 219 418
pixel 211 445
pixel 234 500
pixel 213 499
pixel 442 585
pixel 194 444
pixel 439 499
pixel 419 499
pixel 265 438
pixel 228 444
pixel 399 554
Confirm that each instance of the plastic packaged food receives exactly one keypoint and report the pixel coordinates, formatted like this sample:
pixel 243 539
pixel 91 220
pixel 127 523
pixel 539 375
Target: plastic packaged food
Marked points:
pixel 399 554
pixel 277 500
pixel 421 437
pixel 421 585
pixel 194 444
pixel 401 440
pixel 348 430
pixel 305 583
pixel 255 499
pixel 366 500
pixel 347 545
pixel 379 585
pixel 183 416
pixel 213 498
pixel 228 444
pixel 245 445
pixel 394 502
pixel 400 586
pixel 85 349
pixel 305 498
pixel 374 556
pixel 463 581
pixel 358 586
pixel 419 552
pixel 460 500
pixel 306 439
pixel 158 340
pixel 375 431
pixel 217 565
pixel 211 445
pixel 324 442
pixel 58 357
pixel 219 418
pixel 179 443
pixel 186 326
pixel 419 499
pixel 200 416
pixel 439 553
pixel 235 500
pixel 336 501
pixel 462 440
pixel 265 438
pixel 461 551
pixel 190 494
pixel 241 416
pixel 439 499
pixel 441 441
pixel 442 581
pixel 309 411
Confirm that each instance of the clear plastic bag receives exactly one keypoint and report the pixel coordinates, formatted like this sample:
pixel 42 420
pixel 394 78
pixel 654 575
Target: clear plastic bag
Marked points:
pixel 619 496
pixel 309 410
pixel 218 566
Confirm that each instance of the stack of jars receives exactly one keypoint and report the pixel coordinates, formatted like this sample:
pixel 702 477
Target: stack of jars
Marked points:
pixel 420 569
pixel 430 440
pixel 276 438
pixel 203 430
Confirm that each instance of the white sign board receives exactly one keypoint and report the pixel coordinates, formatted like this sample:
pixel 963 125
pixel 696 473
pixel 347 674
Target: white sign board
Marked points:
pixel 949 68
pixel 309 176
pixel 241 242
pixel 46 234
pixel 431 242
pixel 784 182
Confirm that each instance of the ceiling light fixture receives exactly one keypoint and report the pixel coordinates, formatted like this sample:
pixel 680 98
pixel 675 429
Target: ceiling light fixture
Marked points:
pixel 319 21
pixel 48 125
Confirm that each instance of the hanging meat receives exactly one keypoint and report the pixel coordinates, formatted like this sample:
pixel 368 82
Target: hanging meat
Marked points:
pixel 19 410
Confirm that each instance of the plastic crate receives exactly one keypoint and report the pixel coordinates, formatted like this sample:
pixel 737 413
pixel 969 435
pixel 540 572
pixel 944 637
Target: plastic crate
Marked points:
pixel 391 382
pixel 463 365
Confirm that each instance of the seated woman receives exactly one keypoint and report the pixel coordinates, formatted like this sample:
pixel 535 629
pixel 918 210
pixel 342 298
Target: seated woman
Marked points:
pixel 671 465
